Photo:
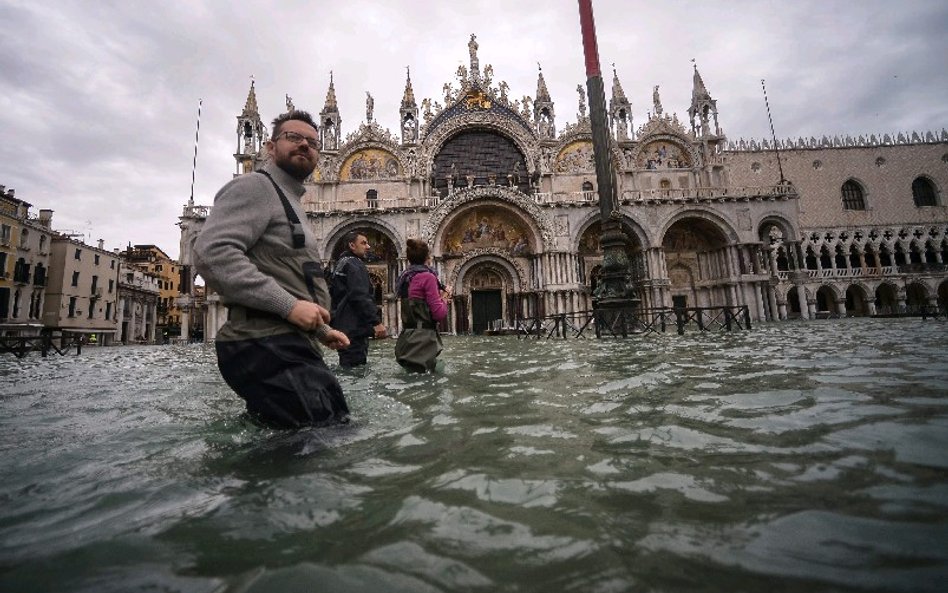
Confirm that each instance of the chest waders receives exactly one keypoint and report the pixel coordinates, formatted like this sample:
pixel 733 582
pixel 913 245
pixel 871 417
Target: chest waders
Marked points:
pixel 419 344
pixel 276 367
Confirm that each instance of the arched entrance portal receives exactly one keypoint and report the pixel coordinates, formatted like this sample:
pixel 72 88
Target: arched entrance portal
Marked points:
pixel 485 249
pixel 487 297
pixel 698 264
pixel 589 252
pixel 487 294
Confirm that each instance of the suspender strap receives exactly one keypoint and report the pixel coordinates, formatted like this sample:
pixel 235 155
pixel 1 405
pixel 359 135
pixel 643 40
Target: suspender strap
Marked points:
pixel 299 239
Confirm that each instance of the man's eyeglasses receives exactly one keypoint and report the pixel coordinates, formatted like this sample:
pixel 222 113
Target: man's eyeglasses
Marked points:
pixel 299 138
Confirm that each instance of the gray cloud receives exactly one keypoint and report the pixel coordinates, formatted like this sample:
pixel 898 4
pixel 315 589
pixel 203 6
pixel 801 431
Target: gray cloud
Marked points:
pixel 98 99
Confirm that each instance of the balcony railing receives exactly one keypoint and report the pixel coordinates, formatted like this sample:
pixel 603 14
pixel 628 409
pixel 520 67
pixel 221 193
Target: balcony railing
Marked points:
pixel 376 204
pixel 689 194
pixel 840 273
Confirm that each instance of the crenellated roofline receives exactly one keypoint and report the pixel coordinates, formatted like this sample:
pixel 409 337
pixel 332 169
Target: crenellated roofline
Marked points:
pixel 862 141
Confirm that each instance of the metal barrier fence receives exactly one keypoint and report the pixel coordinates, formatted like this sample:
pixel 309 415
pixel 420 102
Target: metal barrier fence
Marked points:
pixel 20 346
pixel 625 322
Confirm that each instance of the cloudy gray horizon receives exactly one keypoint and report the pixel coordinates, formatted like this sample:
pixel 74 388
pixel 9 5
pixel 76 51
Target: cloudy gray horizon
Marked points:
pixel 99 99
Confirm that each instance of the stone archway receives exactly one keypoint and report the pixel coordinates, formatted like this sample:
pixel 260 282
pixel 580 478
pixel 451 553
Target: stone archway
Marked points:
pixel 857 301
pixel 589 253
pixel 487 292
pixel 887 299
pixel 826 301
pixel 916 297
pixel 696 249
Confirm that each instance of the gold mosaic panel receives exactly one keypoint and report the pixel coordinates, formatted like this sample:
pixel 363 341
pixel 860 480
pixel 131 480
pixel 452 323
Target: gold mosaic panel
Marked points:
pixel 370 163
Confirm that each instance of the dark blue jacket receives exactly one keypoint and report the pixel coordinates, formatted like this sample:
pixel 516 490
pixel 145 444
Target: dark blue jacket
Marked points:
pixel 354 311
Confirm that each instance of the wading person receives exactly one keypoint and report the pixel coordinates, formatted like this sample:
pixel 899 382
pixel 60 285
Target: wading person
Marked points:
pixel 259 255
pixel 353 303
pixel 423 305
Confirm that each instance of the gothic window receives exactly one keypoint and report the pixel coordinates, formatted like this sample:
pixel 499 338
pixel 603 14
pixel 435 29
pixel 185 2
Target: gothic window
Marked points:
pixel 25 238
pixel 923 192
pixel 854 257
pixel 840 258
pixel 587 186
pixel 810 260
pixel 783 264
pixel 853 198
pixel 372 197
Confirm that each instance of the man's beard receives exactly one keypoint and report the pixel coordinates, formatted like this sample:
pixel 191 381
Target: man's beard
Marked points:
pixel 295 169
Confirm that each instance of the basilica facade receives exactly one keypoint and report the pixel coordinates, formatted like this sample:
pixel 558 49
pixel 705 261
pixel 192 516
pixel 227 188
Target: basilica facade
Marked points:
pixel 508 202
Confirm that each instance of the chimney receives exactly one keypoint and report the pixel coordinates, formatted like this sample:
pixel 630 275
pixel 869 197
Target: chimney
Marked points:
pixel 45 217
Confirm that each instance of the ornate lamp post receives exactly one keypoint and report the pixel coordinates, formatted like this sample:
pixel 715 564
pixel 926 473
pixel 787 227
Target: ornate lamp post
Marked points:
pixel 614 298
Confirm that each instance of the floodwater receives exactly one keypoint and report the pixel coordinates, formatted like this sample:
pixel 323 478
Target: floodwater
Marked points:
pixel 795 457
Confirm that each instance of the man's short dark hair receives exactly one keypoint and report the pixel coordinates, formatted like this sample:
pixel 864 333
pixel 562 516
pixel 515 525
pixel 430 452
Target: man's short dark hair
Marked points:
pixel 416 251
pixel 297 115
pixel 352 236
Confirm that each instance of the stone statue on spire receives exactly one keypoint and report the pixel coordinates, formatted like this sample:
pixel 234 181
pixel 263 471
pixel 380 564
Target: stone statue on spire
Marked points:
pixel 582 101
pixel 657 101
pixel 290 108
pixel 472 49
pixel 369 107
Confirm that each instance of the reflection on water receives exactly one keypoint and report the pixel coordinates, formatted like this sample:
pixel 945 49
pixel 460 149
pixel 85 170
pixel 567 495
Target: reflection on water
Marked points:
pixel 796 457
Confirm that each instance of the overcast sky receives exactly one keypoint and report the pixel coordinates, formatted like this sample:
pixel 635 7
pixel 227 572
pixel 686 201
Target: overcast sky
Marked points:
pixel 98 99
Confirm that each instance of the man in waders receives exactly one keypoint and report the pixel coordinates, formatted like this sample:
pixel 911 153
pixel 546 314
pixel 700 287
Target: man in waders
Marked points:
pixel 260 256
pixel 353 303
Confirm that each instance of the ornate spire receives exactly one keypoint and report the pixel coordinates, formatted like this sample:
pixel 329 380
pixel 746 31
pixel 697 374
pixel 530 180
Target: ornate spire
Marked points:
pixel 542 93
pixel 703 108
pixel 699 92
pixel 620 109
pixel 408 113
pixel 251 133
pixel 331 104
pixel 250 107
pixel 543 115
pixel 618 95
pixel 330 127
pixel 408 99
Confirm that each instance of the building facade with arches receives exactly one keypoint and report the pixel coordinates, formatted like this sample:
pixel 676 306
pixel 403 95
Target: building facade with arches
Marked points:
pixel 509 206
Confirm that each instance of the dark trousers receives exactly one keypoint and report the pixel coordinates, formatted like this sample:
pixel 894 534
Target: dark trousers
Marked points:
pixel 356 354
pixel 284 381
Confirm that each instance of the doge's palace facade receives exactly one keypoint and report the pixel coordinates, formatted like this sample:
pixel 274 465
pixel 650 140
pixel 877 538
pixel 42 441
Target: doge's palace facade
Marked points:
pixel 508 203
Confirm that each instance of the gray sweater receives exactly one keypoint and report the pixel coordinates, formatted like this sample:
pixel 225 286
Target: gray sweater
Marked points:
pixel 247 213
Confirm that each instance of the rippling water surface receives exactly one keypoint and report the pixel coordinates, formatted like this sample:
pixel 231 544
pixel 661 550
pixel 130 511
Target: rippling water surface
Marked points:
pixel 796 457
